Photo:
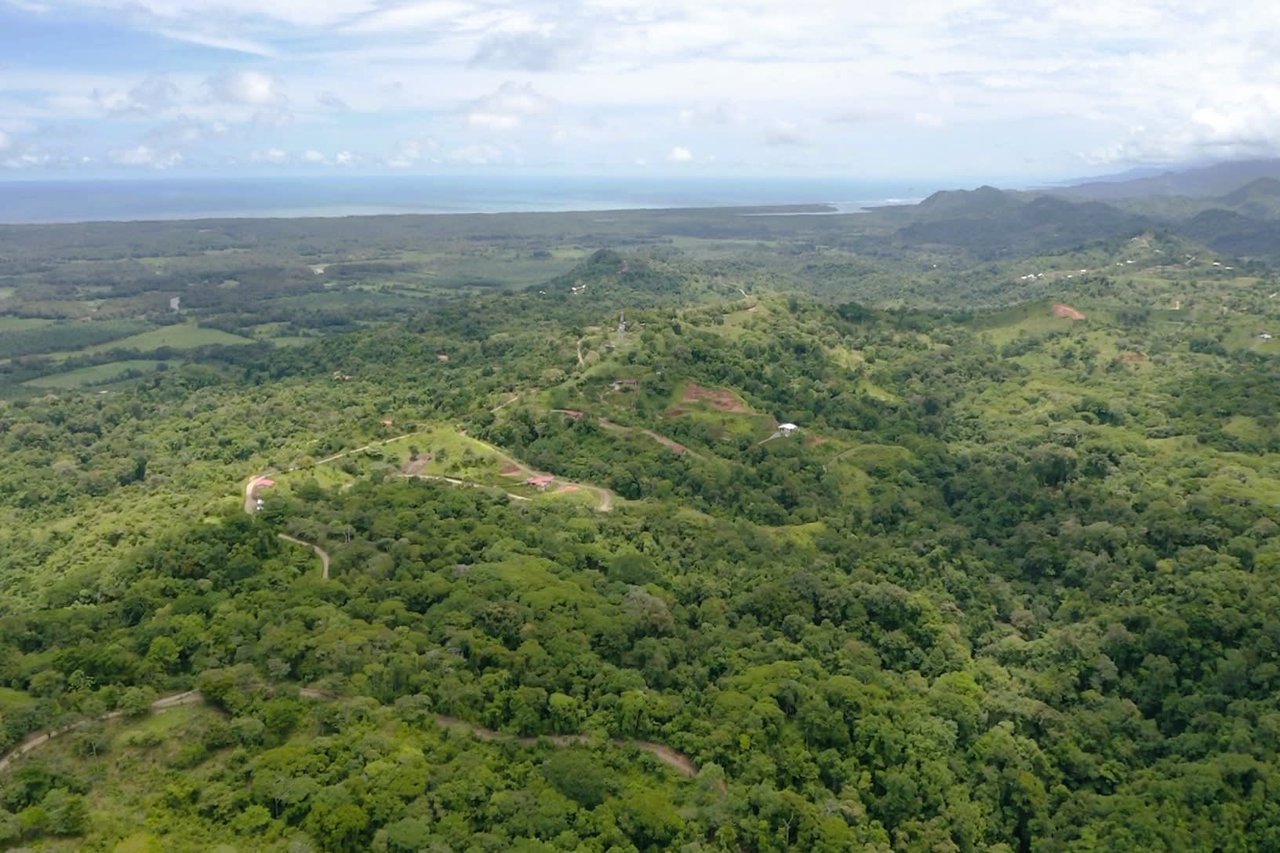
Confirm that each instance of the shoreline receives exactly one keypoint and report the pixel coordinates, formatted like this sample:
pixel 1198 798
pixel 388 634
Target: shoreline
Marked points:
pixel 182 200
pixel 289 215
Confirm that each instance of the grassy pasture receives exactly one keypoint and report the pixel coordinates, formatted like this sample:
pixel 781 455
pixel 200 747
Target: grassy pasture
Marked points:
pixel 185 336
pixel 99 374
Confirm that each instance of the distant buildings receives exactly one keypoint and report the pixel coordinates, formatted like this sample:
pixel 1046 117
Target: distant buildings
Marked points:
pixel 540 481
pixel 787 429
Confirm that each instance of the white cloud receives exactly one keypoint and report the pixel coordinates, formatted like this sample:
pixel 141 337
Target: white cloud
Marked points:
pixel 145 156
pixel 344 158
pixel 477 155
pixel 315 157
pixel 154 94
pixel 184 132
pixel 1139 81
pixel 506 108
pixel 720 113
pixel 248 88
pixel 27 160
pixel 679 154
pixel 274 156
pixel 493 121
pixel 408 153
pixel 330 99
pixel 298 13
pixel 5 141
pixel 783 133
pixel 413 16
pixel 528 50
pixel 222 42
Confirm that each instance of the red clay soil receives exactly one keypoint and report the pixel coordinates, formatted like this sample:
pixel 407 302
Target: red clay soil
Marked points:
pixel 1067 312
pixel 720 399
pixel 513 471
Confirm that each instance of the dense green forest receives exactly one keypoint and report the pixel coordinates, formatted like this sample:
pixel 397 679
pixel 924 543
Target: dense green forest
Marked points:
pixel 538 566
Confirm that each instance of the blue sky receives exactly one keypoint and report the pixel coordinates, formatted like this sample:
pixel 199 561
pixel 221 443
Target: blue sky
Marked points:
pixel 1011 90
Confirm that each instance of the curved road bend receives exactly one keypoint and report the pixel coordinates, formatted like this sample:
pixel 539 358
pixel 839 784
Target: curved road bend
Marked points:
pixel 678 761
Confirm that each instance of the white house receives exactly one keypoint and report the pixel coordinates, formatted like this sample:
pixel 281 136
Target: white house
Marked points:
pixel 787 429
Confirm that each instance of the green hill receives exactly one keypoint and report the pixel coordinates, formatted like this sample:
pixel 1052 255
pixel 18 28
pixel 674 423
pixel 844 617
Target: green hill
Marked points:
pixel 521 581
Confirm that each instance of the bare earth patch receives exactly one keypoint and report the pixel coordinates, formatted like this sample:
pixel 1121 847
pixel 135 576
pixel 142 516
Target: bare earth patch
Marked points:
pixel 1132 357
pixel 513 471
pixel 416 466
pixel 568 488
pixel 720 399
pixel 1067 312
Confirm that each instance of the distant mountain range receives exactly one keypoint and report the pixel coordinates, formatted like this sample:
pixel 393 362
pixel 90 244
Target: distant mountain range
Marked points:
pixel 1215 180
pixel 1232 208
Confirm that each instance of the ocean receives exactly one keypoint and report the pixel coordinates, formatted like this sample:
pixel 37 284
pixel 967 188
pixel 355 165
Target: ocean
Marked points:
pixel 168 199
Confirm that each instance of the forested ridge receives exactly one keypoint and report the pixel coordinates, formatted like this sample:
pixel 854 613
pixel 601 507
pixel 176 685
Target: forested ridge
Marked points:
pixel 1011 585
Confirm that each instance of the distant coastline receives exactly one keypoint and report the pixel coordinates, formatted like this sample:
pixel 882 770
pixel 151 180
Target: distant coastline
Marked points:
pixel 70 201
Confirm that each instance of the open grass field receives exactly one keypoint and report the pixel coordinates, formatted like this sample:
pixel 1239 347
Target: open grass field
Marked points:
pixel 445 451
pixel 1034 319
pixel 12 701
pixel 13 324
pixel 23 337
pixel 99 374
pixel 185 336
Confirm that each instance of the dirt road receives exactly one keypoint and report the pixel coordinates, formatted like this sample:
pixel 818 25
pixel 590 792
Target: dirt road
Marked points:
pixel 669 443
pixel 604 496
pixel 501 406
pixel 320 552
pixel 454 481
pixel 370 446
pixel 251 507
pixel 678 761
pixel 36 740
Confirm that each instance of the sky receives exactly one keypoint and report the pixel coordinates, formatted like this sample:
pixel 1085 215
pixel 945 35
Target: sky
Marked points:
pixel 991 90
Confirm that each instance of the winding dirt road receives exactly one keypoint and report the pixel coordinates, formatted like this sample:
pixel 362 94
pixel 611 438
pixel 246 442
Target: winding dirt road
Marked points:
pixel 454 481
pixel 251 507
pixel 604 496
pixel 678 761
pixel 370 446
pixel 35 740
pixel 501 406
pixel 669 443
pixel 320 552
